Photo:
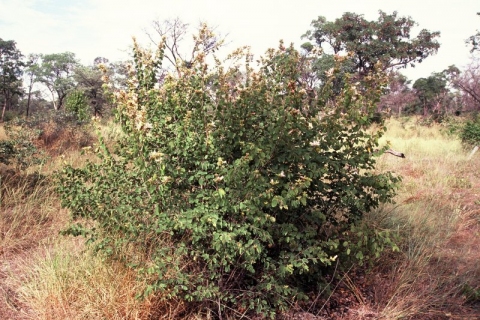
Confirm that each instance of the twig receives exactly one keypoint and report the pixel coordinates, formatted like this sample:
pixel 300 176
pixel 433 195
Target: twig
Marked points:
pixel 320 293
pixel 475 149
pixel 395 153
pixel 323 306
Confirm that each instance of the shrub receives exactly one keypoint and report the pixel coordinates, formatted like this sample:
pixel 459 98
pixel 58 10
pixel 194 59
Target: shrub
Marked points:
pixel 6 152
pixel 30 141
pixel 77 103
pixel 234 189
pixel 470 133
pixel 19 150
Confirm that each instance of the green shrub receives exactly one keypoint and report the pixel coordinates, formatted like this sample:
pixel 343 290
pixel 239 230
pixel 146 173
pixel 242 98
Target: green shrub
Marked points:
pixel 7 152
pixel 20 150
pixel 234 189
pixel 471 294
pixel 470 133
pixel 77 103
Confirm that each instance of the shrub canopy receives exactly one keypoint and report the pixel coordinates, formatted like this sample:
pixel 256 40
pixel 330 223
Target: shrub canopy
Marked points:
pixel 233 186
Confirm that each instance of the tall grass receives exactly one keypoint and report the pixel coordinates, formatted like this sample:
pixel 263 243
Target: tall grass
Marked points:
pixel 65 281
pixel 437 203
pixel 30 211
pixel 3 135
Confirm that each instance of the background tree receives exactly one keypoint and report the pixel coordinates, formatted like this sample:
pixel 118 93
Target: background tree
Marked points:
pixel 77 103
pixel 31 72
pixel 56 72
pixel 468 82
pixel 387 40
pixel 474 40
pixel 89 81
pixel 174 31
pixel 10 74
pixel 399 97
pixel 319 74
pixel 431 92
pixel 118 74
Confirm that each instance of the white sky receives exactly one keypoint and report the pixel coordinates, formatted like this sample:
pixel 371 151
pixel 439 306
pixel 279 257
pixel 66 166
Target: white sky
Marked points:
pixel 92 28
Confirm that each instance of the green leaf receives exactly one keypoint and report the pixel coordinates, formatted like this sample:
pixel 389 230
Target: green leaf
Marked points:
pixel 221 192
pixel 274 202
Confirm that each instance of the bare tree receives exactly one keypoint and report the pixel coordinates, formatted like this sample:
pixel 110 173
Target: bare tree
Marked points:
pixel 399 96
pixel 173 33
pixel 468 83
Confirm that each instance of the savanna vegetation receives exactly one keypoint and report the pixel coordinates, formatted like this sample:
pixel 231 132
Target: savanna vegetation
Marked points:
pixel 227 186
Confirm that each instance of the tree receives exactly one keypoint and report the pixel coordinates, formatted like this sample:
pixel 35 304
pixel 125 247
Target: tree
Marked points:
pixel 431 92
pixel 56 73
pixel 228 189
pixel 321 70
pixel 77 103
pixel 10 73
pixel 89 81
pixel 386 40
pixel 32 73
pixel 398 97
pixel 118 73
pixel 468 82
pixel 474 40
pixel 174 31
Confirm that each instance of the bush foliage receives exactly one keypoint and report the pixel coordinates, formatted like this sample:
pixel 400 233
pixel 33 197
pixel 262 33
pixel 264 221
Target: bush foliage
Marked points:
pixel 234 187
pixel 20 150
pixel 77 103
pixel 470 134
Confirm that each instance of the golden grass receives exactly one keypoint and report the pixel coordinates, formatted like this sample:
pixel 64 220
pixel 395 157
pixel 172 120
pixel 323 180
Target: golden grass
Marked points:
pixel 30 214
pixel 3 135
pixel 437 217
pixel 65 281
pixel 30 211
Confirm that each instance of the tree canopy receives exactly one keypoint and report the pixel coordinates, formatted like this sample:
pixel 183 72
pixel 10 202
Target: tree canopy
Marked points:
pixel 474 40
pixel 387 40
pixel 56 72
pixel 430 91
pixel 10 73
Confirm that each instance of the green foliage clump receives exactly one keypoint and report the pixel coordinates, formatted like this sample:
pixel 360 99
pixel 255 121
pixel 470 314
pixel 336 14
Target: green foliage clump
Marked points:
pixel 471 294
pixel 20 150
pixel 233 187
pixel 6 151
pixel 388 40
pixel 77 103
pixel 470 133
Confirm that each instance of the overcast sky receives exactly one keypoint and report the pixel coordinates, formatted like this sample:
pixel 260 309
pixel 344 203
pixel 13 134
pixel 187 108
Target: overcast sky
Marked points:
pixel 92 28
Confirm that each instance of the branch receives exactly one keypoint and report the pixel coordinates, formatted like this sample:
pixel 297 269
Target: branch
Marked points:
pixel 395 153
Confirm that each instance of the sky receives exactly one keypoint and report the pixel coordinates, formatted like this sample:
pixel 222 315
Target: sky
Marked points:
pixel 93 28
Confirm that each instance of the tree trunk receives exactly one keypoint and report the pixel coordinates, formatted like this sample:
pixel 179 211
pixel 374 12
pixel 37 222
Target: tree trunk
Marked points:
pixel 28 104
pixel 30 87
pixel 4 108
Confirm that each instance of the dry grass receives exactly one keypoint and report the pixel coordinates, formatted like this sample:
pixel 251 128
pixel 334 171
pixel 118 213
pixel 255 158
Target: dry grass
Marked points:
pixel 437 216
pixel 29 215
pixel 30 211
pixel 3 135
pixel 64 281
pixel 57 138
